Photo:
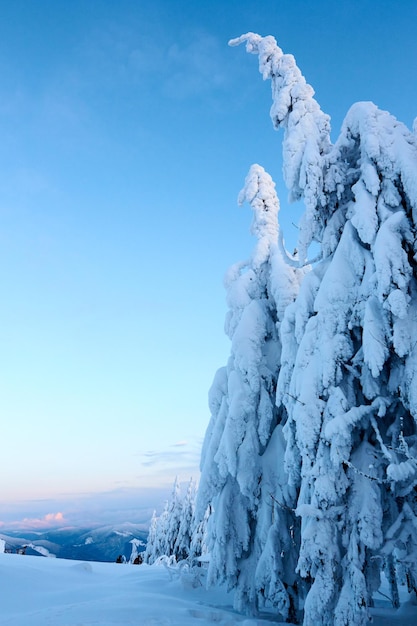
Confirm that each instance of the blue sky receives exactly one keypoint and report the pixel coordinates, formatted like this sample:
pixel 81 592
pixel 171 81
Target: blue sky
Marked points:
pixel 127 129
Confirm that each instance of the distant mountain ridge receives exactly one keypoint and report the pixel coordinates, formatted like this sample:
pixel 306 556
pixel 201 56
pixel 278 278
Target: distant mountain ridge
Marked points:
pixel 103 543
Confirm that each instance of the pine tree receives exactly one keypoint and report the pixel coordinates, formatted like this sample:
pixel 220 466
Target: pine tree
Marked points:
pixel 173 520
pixel 182 546
pixel 349 354
pixel 244 437
pixel 170 534
pixel 150 553
pixel 198 545
pixel 156 545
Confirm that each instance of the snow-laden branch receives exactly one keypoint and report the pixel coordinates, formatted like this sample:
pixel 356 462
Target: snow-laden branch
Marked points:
pixel 259 192
pixel 342 425
pixel 383 169
pixel 307 128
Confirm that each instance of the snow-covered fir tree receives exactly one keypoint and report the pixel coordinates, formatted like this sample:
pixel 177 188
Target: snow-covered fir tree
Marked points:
pixel 170 534
pixel 171 527
pixel 151 551
pixel 182 545
pixel 240 480
pixel 199 529
pixel 342 355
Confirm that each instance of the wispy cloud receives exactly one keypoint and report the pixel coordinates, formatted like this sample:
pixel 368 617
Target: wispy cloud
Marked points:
pixel 191 64
pixel 181 454
pixel 196 67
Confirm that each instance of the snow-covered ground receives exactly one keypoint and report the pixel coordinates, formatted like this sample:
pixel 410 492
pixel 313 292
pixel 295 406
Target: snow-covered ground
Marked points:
pixel 36 591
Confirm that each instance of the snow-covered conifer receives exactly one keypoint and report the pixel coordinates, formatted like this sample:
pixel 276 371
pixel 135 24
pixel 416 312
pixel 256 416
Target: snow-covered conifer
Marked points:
pixel 170 522
pixel 348 376
pixel 244 439
pixel 182 544
pixel 150 555
pixel 198 546
pixel 170 534
pixel 157 545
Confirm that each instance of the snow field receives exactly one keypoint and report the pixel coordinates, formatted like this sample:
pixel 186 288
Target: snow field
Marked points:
pixel 38 591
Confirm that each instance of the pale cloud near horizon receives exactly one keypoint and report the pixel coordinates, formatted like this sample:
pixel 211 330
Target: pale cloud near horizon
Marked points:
pixel 50 520
pixel 123 504
pixel 127 502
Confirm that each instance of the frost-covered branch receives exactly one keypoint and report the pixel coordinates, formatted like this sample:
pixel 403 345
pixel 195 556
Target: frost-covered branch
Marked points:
pixel 307 129
pixel 259 192
pixel 380 481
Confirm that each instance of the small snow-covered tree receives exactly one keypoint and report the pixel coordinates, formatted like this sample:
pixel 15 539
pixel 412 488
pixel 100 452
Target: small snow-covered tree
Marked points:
pixel 171 534
pixel 348 375
pixel 244 438
pixel 173 520
pixel 182 545
pixel 198 546
pixel 136 556
pixel 150 553
pixel 157 544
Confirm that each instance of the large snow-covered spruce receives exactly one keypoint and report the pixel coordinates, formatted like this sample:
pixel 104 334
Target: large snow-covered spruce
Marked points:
pixel 343 356
pixel 249 533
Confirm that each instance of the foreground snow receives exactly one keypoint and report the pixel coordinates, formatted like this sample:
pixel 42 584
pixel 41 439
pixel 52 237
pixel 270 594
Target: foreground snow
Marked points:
pixel 38 591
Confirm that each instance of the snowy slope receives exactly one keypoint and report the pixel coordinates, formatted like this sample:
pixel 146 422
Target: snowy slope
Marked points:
pixel 56 592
